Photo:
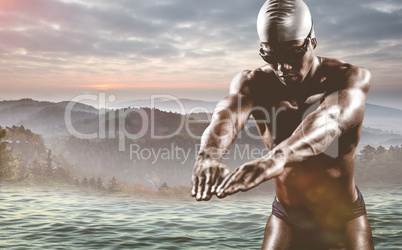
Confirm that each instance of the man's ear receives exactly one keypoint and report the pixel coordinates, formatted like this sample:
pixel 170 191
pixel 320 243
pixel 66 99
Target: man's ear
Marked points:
pixel 314 42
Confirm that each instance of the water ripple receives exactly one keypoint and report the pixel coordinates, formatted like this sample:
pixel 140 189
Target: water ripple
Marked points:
pixel 66 219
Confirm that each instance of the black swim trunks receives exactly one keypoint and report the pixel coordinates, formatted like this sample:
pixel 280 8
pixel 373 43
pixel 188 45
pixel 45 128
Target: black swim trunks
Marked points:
pixel 357 209
pixel 313 235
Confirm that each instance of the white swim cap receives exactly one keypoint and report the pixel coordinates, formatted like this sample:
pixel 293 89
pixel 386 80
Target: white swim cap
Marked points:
pixel 284 20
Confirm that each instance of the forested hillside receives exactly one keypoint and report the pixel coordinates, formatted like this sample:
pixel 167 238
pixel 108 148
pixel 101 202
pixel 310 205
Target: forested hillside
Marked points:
pixel 40 148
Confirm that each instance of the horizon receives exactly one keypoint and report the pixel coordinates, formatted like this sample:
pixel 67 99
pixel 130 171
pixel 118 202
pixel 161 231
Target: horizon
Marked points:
pixel 143 99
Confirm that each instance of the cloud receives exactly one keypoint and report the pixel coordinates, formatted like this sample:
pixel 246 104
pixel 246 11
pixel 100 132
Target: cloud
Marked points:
pixel 177 41
pixel 386 6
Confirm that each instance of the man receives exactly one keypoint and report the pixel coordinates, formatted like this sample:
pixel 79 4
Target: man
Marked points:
pixel 319 107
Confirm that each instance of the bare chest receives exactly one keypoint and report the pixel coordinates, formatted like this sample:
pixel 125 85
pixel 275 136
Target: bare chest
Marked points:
pixel 287 114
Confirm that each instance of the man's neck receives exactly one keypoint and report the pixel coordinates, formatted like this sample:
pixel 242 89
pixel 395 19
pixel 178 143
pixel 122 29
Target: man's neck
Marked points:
pixel 310 81
pixel 311 76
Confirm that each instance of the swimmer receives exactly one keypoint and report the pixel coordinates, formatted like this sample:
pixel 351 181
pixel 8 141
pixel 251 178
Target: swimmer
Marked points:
pixel 320 105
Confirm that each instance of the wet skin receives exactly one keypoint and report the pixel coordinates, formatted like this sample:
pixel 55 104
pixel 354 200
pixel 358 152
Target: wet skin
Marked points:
pixel 318 107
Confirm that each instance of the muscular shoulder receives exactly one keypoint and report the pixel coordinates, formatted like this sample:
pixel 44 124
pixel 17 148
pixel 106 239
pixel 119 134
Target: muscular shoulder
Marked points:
pixel 248 81
pixel 346 75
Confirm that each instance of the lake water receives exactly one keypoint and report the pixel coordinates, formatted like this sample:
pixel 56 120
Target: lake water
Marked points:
pixel 46 219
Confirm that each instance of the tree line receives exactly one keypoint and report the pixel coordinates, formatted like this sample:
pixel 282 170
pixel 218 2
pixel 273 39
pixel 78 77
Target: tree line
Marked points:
pixel 24 158
pixel 379 166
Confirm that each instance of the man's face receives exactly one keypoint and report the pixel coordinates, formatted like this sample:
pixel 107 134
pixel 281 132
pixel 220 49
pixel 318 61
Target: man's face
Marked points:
pixel 291 60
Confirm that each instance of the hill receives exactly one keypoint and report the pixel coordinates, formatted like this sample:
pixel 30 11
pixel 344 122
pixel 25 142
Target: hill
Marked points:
pixel 182 105
pixel 45 118
pixel 169 159
pixel 376 116
pixel 384 118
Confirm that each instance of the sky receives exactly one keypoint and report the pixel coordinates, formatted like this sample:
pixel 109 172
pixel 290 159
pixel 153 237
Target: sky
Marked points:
pixel 59 49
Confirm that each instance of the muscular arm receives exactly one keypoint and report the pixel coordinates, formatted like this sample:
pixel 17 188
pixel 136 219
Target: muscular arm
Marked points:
pixel 230 116
pixel 339 112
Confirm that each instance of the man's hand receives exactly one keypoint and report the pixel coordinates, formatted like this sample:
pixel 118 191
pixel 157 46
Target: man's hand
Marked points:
pixel 207 175
pixel 252 174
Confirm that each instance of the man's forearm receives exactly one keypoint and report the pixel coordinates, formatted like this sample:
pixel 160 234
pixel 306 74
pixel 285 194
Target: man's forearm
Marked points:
pixel 218 137
pixel 313 136
pixel 230 117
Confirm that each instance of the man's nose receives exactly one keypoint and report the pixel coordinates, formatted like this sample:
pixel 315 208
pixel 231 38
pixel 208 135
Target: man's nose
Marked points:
pixel 284 67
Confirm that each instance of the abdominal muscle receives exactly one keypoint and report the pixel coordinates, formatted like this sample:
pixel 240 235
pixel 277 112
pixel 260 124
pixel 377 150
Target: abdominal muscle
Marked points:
pixel 319 188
